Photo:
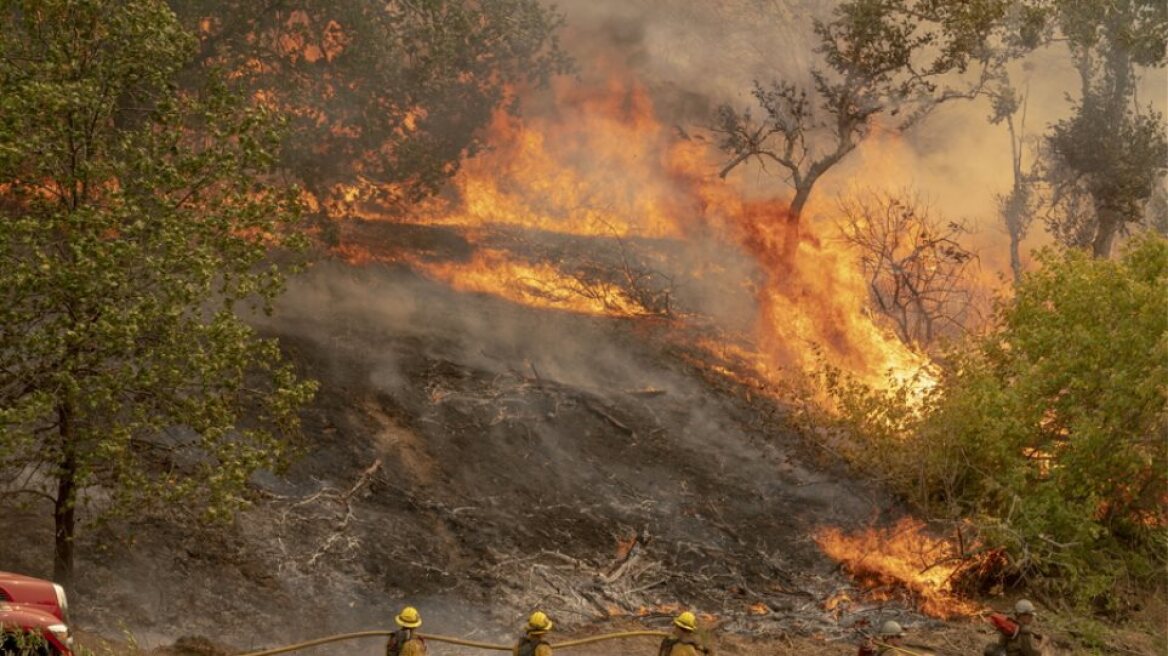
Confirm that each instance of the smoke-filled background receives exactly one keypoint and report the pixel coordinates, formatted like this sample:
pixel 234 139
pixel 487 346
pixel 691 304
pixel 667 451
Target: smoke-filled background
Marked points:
pixel 695 56
pixel 575 376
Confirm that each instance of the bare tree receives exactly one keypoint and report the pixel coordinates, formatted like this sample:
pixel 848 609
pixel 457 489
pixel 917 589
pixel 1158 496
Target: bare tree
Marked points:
pixel 918 272
pixel 1017 207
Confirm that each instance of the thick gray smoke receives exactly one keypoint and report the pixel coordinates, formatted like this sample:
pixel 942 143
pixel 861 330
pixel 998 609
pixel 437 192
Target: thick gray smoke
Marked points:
pixel 712 50
pixel 348 308
pixel 697 55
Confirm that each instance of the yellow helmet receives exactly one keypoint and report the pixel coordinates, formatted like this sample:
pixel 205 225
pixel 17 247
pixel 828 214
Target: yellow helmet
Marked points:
pixel 539 622
pixel 686 621
pixel 408 618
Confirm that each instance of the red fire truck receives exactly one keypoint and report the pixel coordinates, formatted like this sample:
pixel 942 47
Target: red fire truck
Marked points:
pixel 33 616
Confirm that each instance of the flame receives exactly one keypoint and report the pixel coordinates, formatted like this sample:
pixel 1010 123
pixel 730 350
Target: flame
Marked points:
pixel 494 272
pixel 902 559
pixel 585 176
pixel 660 609
pixel 603 166
pixel 837 602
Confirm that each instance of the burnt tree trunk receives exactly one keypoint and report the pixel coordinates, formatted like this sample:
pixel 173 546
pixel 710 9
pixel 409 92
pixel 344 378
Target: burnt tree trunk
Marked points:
pixel 1015 256
pixel 66 501
pixel 1014 208
pixel 791 232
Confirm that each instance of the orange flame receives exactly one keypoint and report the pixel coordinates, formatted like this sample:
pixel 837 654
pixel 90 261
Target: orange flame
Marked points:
pixel 671 610
pixel 493 272
pixel 603 166
pixel 902 559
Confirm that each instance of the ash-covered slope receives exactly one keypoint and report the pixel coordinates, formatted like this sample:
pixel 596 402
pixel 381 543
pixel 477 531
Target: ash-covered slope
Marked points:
pixel 479 459
pixel 531 457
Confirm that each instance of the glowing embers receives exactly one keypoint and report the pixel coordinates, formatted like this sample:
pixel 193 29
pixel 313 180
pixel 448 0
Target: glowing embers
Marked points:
pixel 906 561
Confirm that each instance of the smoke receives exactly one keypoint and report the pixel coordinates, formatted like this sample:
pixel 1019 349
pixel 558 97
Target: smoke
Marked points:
pixel 606 190
pixel 697 49
pixel 693 56
pixel 651 74
pixel 696 56
pixel 364 307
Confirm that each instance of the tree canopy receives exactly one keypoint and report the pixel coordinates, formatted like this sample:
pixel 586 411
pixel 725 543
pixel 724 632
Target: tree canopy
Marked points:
pixel 894 61
pixel 385 98
pixel 136 218
pixel 1110 150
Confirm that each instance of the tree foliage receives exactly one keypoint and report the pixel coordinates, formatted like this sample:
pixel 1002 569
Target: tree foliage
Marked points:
pixel 385 98
pixel 1109 149
pixel 135 219
pixel 1050 433
pixel 889 60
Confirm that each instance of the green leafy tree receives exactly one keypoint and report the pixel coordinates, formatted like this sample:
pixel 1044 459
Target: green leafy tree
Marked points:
pixel 383 97
pixel 135 220
pixel 1110 149
pixel 1050 432
pixel 892 61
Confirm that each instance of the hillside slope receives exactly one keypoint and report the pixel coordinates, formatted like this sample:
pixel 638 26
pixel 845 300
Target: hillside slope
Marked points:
pixel 479 459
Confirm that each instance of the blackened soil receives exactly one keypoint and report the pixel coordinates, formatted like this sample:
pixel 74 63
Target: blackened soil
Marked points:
pixel 479 459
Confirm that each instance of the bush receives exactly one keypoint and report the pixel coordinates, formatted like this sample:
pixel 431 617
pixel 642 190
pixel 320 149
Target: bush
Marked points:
pixel 1050 432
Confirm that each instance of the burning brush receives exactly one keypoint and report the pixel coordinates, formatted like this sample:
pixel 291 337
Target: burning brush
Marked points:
pixel 906 561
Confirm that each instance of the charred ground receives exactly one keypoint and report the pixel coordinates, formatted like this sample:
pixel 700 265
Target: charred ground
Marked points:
pixel 479 459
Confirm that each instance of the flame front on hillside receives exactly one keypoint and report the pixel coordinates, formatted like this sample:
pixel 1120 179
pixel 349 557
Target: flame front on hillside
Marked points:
pixel 603 168
pixel 902 560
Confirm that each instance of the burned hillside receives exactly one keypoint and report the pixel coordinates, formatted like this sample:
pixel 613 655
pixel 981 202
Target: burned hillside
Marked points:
pixel 540 458
pixel 480 458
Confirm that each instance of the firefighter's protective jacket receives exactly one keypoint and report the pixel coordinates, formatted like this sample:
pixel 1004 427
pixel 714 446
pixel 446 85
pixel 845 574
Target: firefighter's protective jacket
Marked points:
pixel 685 646
pixel 532 645
pixel 405 643
pixel 1026 643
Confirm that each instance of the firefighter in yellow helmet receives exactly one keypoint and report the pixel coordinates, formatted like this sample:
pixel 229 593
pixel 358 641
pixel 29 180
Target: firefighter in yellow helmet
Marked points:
pixel 532 643
pixel 403 642
pixel 684 640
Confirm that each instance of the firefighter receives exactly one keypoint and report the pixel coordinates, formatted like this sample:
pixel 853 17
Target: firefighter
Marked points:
pixel 683 641
pixel 1024 642
pixel 533 643
pixel 403 642
pixel 887 639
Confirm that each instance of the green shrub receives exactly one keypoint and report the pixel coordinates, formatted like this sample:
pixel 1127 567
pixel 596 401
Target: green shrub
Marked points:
pixel 1050 433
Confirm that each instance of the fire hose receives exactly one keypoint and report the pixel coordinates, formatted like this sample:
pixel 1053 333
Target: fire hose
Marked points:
pixel 902 650
pixel 909 652
pixel 454 641
pixel 897 648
